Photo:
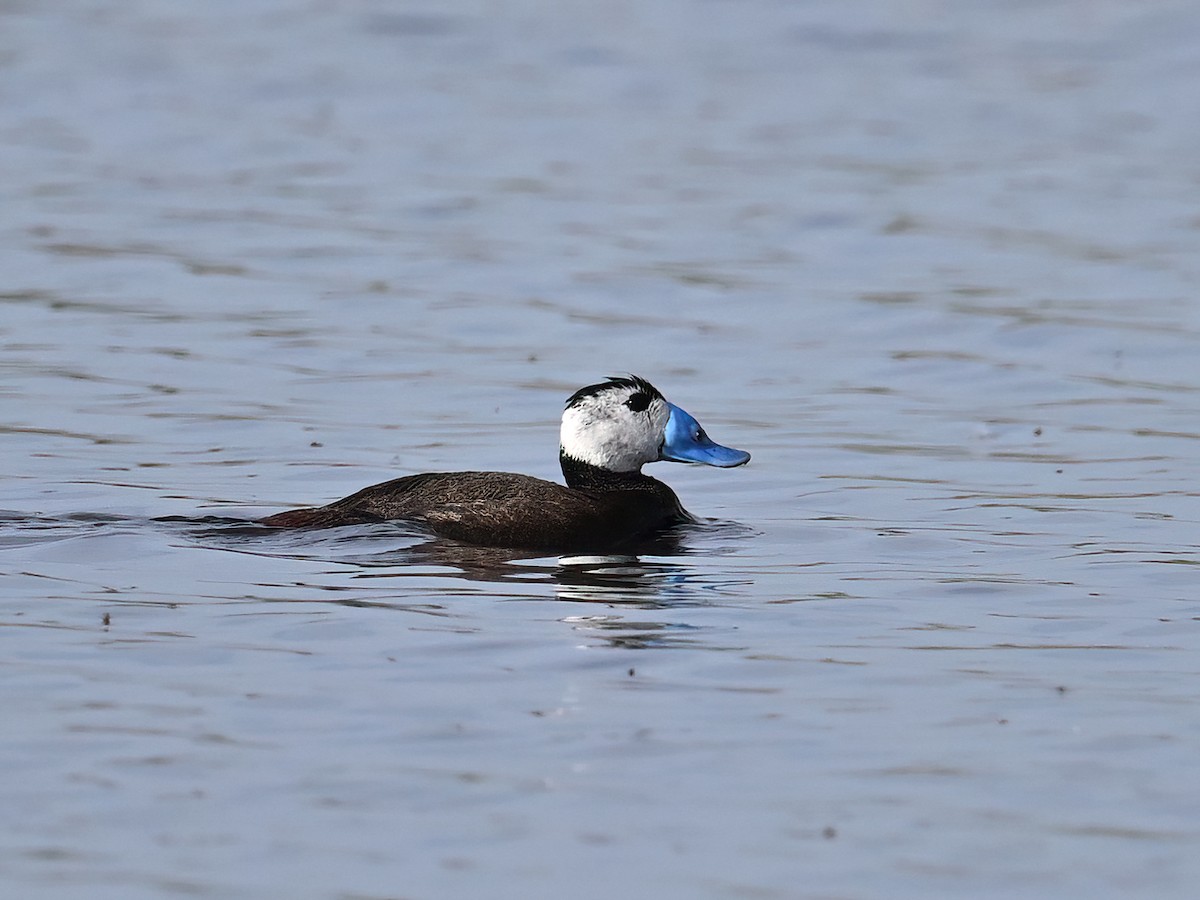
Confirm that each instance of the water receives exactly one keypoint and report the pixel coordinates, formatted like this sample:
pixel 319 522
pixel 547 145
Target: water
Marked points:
pixel 933 264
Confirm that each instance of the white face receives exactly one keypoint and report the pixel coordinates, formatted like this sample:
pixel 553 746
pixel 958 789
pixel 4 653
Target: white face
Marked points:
pixel 603 430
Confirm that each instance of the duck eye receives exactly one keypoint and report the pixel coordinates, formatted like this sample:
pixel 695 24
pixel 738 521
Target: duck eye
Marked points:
pixel 638 402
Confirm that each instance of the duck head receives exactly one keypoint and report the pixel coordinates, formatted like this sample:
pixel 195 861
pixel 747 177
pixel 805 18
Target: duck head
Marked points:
pixel 623 423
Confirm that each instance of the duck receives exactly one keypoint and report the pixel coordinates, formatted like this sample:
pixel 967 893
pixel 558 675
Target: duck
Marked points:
pixel 609 431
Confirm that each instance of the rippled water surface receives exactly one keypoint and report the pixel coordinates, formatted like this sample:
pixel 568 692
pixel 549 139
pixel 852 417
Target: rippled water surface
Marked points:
pixel 934 264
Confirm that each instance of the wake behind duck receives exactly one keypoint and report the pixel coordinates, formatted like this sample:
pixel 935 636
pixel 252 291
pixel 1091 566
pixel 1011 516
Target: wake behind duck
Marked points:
pixel 609 431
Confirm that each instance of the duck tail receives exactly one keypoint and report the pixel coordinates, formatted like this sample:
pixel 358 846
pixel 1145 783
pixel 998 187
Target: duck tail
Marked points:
pixel 320 517
pixel 310 517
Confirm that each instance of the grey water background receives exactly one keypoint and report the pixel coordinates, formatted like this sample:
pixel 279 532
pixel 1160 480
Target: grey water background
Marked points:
pixel 935 264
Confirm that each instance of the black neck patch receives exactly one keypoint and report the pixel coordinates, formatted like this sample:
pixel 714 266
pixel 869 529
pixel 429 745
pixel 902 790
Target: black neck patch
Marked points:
pixel 581 475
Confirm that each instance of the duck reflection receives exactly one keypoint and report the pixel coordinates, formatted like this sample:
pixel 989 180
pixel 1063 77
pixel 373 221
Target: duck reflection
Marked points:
pixel 425 573
pixel 633 579
pixel 660 576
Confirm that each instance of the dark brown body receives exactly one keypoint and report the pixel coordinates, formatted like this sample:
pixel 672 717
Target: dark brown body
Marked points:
pixel 598 511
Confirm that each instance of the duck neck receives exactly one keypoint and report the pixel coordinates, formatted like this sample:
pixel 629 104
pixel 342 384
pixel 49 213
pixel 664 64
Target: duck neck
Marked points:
pixel 585 476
